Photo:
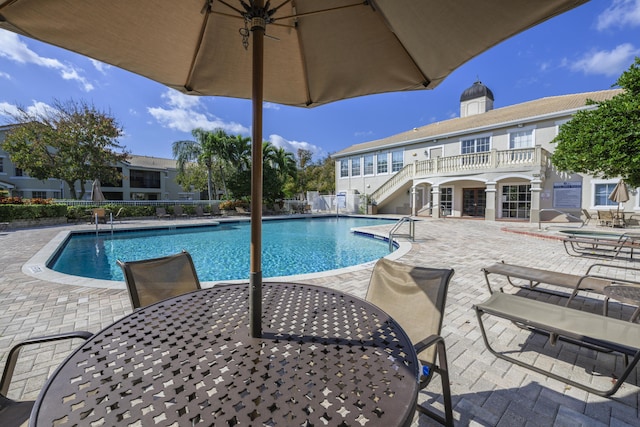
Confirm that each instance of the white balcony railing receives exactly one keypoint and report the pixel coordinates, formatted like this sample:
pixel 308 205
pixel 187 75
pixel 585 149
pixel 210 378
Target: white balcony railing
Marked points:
pixel 485 161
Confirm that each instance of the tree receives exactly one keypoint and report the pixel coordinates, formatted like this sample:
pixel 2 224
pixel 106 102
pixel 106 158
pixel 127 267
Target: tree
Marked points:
pixel 209 149
pixel 72 141
pixel 278 166
pixel 322 176
pixel 605 141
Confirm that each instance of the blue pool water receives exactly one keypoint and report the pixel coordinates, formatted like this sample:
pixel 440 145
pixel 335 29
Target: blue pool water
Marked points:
pixel 290 247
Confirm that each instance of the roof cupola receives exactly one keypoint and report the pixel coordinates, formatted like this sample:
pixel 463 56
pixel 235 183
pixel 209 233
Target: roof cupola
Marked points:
pixel 476 99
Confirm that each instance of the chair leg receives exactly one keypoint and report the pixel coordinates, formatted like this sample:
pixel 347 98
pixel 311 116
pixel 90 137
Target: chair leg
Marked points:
pixel 443 371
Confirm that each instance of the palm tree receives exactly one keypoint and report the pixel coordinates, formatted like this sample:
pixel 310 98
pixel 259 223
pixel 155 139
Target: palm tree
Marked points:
pixel 206 149
pixel 239 151
pixel 285 162
pixel 220 145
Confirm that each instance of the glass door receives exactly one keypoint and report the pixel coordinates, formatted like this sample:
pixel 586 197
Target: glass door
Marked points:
pixel 474 201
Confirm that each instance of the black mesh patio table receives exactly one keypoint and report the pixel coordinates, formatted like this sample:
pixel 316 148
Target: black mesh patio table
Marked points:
pixel 325 358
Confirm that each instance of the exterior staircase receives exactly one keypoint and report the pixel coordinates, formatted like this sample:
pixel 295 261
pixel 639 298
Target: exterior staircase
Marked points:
pixel 535 160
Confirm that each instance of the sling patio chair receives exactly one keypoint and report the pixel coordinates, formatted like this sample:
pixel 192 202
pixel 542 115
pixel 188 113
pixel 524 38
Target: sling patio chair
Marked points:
pixel 13 412
pixel 605 218
pixel 200 211
pixel 415 297
pixel 156 279
pixel 98 215
pixel 587 216
pixel 179 212
pixel 118 216
pixel 162 213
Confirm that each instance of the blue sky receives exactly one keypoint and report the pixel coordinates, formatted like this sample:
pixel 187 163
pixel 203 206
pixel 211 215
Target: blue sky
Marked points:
pixel 583 50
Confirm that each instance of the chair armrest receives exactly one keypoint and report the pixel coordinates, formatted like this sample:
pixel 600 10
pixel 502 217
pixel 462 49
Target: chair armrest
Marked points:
pixel 15 351
pixel 427 342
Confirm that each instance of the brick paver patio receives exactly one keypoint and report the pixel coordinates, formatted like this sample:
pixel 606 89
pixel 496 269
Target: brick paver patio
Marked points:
pixel 486 391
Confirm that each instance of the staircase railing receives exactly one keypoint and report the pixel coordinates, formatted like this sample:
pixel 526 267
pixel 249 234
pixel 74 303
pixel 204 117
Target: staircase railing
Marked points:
pixel 394 230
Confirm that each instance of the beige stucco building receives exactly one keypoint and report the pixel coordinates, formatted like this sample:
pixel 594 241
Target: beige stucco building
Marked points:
pixel 488 163
pixel 143 178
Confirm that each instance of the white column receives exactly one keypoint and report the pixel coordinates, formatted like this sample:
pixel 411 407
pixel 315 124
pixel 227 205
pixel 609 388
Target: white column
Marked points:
pixel 414 210
pixel 490 205
pixel 435 201
pixel 536 189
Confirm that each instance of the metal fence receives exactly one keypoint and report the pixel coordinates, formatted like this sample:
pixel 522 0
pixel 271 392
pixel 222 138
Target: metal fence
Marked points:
pixel 315 203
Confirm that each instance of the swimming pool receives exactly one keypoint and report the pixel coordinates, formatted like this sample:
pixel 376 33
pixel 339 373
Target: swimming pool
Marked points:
pixel 221 252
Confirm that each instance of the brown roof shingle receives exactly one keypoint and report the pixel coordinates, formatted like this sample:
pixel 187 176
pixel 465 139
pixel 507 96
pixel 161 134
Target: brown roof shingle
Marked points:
pixel 519 112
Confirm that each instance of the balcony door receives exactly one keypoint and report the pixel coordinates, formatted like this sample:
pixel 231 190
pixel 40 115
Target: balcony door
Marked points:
pixel 474 201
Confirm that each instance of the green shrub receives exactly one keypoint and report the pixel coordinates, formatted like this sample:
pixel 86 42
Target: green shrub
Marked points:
pixel 26 212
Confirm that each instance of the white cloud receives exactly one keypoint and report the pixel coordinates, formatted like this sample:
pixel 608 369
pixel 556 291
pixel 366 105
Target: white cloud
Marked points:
pixel 5 75
pixel 184 113
pixel 620 14
pixel 14 49
pixel 180 100
pixel 100 66
pixel 608 63
pixel 270 106
pixel 293 146
pixel 37 107
pixel 7 109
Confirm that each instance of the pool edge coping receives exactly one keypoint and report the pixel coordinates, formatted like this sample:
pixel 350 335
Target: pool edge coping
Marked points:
pixel 36 266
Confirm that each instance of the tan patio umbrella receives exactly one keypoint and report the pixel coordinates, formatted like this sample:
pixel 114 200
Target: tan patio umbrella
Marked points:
pixel 315 52
pixel 96 192
pixel 620 194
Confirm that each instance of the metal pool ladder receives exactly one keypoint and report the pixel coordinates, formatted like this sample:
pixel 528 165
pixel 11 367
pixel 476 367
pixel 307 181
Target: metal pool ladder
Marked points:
pixel 394 230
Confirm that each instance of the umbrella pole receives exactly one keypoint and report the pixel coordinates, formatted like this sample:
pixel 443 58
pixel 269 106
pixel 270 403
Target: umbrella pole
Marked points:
pixel 255 278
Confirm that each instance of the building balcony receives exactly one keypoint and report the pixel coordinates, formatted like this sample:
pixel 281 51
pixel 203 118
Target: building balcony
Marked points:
pixel 532 161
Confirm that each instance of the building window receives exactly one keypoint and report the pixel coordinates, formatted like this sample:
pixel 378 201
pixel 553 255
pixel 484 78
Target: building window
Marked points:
pixel 344 168
pixel 39 194
pixel 521 139
pixel 57 195
pixel 144 179
pixel 397 161
pixel 19 172
pixel 446 200
pixel 1 164
pixel 601 195
pixel 516 201
pixel 382 163
pixel 478 145
pixel 355 166
pixel 368 164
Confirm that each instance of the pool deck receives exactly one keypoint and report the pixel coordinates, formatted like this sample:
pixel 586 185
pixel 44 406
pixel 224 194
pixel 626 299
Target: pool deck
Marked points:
pixel 486 391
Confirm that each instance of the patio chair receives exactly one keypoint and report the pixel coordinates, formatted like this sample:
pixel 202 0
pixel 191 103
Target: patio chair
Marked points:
pixel 118 215
pixel 587 216
pixel 99 215
pixel 415 297
pixel 179 212
pixel 605 218
pixel 200 211
pixel 242 211
pixel 162 213
pixel 152 280
pixel 13 412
